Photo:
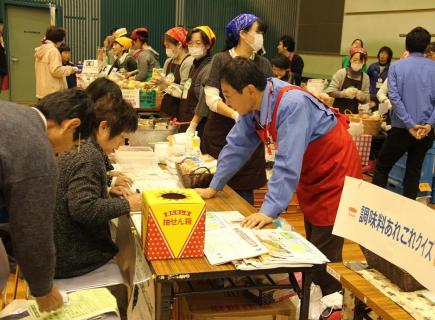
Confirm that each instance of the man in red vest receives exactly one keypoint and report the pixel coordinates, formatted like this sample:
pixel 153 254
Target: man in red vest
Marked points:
pixel 312 150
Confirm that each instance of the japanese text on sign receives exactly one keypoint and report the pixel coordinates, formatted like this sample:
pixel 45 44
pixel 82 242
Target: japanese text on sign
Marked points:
pixel 394 230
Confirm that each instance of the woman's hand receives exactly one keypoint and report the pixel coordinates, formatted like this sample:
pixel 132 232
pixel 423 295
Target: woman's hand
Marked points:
pixel 135 202
pixel 51 301
pixel 122 180
pixel 161 82
pixel 121 191
pixel 360 95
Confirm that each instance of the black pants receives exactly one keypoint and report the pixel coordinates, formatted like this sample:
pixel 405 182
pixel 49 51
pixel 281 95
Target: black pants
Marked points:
pixel 397 143
pixel 248 195
pixel 331 246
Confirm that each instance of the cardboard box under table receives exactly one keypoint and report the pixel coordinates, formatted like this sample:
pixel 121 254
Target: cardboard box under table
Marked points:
pixel 232 306
pixel 173 224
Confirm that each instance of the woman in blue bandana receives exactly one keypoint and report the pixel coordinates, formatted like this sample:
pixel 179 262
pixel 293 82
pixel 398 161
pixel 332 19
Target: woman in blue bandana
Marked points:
pixel 244 38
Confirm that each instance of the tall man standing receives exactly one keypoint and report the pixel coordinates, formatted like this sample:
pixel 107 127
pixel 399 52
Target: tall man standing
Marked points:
pixel 411 89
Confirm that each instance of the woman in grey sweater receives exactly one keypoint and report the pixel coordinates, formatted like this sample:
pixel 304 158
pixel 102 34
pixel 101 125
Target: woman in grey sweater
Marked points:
pixel 145 55
pixel 350 86
pixel 83 205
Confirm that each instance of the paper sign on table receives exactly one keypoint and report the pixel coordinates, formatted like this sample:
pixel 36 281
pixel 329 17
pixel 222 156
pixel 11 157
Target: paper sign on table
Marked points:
pixel 394 227
pixel 132 96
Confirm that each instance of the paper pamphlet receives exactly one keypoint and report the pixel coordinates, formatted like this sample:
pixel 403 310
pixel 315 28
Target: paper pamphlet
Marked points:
pixel 287 249
pixel 151 179
pixel 81 305
pixel 226 240
pixel 290 245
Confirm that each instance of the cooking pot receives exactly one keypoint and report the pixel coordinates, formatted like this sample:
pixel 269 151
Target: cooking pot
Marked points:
pixel 150 131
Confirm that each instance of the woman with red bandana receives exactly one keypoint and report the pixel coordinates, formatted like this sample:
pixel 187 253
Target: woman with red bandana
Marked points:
pixel 147 58
pixel 357 43
pixel 176 69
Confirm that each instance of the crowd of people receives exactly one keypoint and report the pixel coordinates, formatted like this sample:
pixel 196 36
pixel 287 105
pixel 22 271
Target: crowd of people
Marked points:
pixel 244 107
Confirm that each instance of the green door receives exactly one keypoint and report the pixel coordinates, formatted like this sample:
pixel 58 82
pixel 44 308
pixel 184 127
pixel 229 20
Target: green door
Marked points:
pixel 26 27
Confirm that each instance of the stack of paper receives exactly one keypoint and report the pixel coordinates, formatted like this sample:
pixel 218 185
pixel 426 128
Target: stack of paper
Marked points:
pixel 152 179
pixel 81 305
pixel 286 249
pixel 226 240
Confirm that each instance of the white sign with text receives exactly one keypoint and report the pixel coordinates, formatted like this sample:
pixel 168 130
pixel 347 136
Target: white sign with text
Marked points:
pixel 396 228
pixel 132 96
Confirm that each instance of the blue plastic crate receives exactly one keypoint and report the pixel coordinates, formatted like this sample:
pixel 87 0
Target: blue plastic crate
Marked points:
pixel 396 186
pixel 432 200
pixel 398 170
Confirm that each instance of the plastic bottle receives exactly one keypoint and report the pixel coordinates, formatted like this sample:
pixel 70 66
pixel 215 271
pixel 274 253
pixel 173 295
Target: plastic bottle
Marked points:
pixel 196 143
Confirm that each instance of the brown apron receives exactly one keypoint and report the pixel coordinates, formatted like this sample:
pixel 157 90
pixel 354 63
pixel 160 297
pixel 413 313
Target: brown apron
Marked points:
pixel 187 106
pixel 170 105
pixel 344 103
pixel 253 174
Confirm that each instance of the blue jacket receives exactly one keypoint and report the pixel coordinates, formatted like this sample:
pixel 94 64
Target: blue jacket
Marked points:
pixel 411 89
pixel 374 73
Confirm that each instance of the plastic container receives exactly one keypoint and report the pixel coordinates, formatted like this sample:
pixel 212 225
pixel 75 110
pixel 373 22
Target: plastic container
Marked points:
pixel 356 128
pixel 151 133
pixel 142 157
pixel 180 143
pixel 161 150
pixel 196 144
pixel 315 86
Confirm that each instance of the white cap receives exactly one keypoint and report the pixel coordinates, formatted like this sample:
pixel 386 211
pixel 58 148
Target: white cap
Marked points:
pixel 120 32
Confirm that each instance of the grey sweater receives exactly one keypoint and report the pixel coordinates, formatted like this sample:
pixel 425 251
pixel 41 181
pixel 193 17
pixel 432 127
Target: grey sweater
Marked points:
pixel 146 62
pixel 83 210
pixel 201 108
pixel 335 87
pixel 27 192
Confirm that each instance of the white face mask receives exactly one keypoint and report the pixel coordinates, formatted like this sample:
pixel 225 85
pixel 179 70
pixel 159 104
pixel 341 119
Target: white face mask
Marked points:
pixel 170 53
pixel 258 42
pixel 356 66
pixel 197 52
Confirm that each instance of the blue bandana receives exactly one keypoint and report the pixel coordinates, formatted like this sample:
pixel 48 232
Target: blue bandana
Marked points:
pixel 239 23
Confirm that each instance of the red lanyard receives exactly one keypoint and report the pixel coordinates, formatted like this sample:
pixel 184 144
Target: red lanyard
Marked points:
pixel 264 132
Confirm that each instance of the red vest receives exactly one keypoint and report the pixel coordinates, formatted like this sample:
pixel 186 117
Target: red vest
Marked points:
pixel 327 161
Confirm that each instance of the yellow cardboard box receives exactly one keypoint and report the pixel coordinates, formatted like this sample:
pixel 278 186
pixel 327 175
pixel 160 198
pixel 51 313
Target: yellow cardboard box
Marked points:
pixel 173 224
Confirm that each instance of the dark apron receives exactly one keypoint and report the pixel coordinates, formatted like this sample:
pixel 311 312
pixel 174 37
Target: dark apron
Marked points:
pixel 171 105
pixel 253 174
pixel 187 106
pixel 350 104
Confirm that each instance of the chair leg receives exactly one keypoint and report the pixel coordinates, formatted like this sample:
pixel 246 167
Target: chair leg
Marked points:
pixel 17 273
pixel 3 298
